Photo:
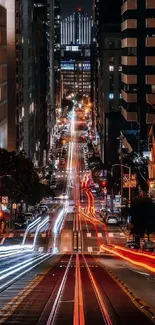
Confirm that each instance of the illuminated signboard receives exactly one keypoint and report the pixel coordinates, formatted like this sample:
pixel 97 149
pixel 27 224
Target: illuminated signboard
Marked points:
pixel 72 48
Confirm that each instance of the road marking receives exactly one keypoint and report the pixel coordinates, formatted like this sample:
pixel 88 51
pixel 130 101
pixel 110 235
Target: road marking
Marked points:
pixel 145 308
pixel 111 234
pixel 90 249
pixel 88 234
pixel 99 234
pixel 65 249
pixel 13 304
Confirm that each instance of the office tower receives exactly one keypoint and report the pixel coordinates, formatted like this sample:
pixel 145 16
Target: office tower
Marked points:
pixel 138 64
pixel 40 78
pixel 106 75
pixel 76 29
pixel 54 41
pixel 14 76
pixel 76 69
pixel 3 79
pixel 25 62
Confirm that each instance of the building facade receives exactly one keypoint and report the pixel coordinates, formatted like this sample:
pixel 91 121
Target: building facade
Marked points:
pixel 54 49
pixel 3 79
pixel 76 70
pixel 106 75
pixel 138 64
pixel 76 29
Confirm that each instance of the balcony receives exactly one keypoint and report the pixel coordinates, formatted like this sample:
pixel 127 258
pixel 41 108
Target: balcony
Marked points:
pixel 128 24
pixel 150 22
pixel 150 79
pixel 150 4
pixel 129 116
pixel 150 60
pixel 129 79
pixel 129 97
pixel 150 118
pixel 150 41
pixel 150 99
pixel 129 60
pixel 129 42
pixel 129 5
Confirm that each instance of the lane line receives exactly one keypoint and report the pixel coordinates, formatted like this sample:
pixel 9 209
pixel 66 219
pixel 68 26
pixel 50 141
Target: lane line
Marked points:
pixel 140 304
pixel 12 305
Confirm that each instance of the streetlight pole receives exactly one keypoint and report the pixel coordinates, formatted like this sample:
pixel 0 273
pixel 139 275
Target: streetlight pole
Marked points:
pixel 129 169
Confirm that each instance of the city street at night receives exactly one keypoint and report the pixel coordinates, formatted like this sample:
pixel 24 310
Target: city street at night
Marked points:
pixel 77 162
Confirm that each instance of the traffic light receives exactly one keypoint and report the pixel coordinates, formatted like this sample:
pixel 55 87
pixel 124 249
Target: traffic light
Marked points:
pixel 104 183
pixel 1 214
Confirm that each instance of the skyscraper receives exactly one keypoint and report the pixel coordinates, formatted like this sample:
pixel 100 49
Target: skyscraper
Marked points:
pixel 3 79
pixel 106 76
pixel 54 43
pixel 138 63
pixel 76 29
pixel 24 102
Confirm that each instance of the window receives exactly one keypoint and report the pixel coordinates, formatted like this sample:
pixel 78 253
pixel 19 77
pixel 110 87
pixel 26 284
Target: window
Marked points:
pixel 111 68
pixel 111 96
pixel 120 68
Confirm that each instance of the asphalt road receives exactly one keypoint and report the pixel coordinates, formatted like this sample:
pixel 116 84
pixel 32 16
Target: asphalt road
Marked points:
pixel 47 295
pixel 75 287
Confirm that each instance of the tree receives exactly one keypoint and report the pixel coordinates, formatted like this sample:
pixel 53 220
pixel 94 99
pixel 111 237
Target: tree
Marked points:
pixel 24 181
pixel 142 216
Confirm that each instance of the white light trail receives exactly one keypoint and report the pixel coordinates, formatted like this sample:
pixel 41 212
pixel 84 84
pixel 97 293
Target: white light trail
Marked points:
pixel 41 225
pixel 31 226
pixel 39 261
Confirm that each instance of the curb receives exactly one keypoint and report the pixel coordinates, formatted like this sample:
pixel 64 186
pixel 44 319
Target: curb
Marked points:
pixel 140 304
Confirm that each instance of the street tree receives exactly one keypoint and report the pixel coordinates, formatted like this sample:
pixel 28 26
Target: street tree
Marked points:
pixel 23 183
pixel 142 216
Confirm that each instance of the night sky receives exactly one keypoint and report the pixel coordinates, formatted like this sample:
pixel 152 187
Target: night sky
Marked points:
pixel 69 6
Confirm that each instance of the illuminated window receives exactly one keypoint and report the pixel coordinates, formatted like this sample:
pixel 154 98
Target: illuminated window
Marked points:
pixel 111 96
pixel 111 68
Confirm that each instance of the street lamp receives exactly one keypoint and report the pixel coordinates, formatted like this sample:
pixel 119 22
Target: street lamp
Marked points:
pixel 129 169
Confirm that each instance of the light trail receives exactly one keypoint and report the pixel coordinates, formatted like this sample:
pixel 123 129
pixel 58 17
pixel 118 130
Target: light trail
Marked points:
pixel 17 267
pixel 31 226
pixel 40 260
pixel 41 225
pixel 128 259
pixel 136 253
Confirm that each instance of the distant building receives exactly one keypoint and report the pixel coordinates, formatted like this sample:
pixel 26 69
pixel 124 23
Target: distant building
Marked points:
pixel 76 69
pixel 76 29
pixel 75 54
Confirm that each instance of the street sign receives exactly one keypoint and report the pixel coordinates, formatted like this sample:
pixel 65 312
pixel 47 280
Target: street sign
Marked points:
pixel 4 200
pixel 117 201
pixel 132 183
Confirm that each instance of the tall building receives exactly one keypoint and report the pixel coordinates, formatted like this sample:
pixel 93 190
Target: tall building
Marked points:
pixel 21 66
pixel 54 45
pixel 40 79
pixel 106 75
pixel 76 29
pixel 138 64
pixel 76 69
pixel 3 79
pixel 75 54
